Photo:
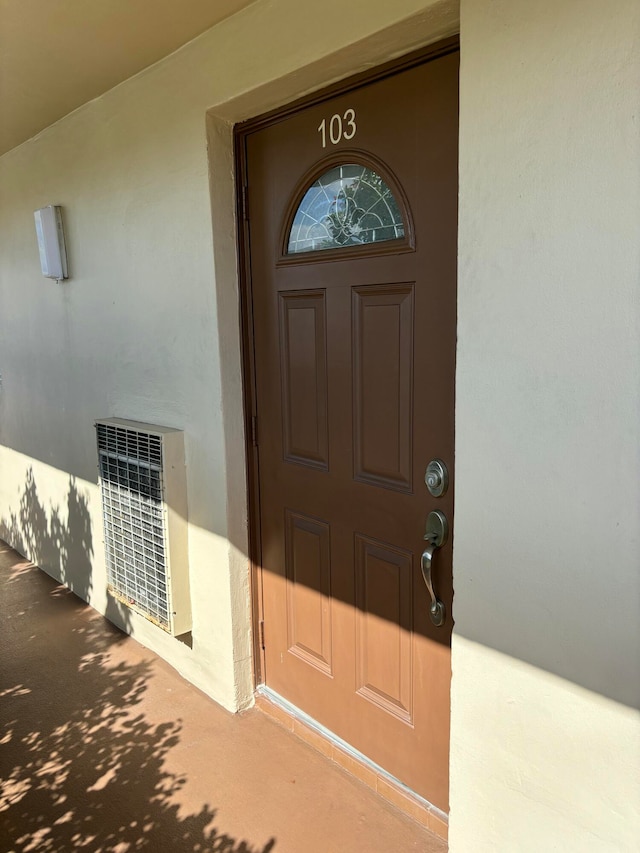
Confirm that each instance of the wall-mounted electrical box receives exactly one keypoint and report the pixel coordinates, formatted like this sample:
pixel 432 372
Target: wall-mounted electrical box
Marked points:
pixel 50 233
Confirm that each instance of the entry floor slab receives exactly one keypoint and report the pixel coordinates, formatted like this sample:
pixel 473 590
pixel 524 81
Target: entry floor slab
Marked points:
pixel 104 747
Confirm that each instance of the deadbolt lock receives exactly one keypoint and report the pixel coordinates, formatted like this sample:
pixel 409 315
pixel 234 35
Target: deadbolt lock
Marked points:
pixel 436 478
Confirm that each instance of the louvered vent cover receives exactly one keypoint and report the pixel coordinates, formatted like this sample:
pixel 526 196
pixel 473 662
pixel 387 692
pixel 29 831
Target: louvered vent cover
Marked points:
pixel 144 517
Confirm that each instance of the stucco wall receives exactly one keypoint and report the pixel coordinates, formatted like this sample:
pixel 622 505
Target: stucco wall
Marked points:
pixel 134 332
pixel 546 668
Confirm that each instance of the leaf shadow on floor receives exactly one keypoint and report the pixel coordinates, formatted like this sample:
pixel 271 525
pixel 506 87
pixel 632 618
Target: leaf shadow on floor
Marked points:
pixel 81 767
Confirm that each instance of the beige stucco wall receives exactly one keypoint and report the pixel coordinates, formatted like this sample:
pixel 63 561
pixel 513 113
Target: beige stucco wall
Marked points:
pixel 546 654
pixel 134 333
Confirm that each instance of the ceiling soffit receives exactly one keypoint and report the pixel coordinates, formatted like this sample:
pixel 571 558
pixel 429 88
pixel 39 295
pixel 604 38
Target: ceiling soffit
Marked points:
pixel 56 56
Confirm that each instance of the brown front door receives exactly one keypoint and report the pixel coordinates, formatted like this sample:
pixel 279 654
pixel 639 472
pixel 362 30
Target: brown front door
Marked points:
pixel 352 249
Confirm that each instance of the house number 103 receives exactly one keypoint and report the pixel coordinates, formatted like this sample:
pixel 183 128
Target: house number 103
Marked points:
pixel 339 127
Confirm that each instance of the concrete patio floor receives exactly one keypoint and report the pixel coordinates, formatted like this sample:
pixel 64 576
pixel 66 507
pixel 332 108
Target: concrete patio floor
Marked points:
pixel 104 747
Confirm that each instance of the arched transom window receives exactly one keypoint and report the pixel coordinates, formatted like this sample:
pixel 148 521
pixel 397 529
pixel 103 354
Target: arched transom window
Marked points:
pixel 349 205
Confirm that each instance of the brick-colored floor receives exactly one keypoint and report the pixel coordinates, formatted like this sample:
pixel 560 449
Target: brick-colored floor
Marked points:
pixel 103 747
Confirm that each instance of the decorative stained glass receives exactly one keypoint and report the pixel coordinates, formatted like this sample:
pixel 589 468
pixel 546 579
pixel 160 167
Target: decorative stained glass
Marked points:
pixel 350 205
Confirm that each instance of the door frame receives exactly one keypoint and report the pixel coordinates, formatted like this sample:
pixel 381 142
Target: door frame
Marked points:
pixel 240 134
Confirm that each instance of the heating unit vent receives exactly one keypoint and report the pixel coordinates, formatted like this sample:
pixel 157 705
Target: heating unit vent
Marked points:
pixel 144 511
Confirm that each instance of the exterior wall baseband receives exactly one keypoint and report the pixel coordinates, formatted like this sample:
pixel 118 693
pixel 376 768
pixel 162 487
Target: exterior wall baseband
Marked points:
pixel 356 764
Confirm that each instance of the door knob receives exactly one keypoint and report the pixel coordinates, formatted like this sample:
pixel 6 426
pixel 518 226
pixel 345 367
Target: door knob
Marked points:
pixel 436 535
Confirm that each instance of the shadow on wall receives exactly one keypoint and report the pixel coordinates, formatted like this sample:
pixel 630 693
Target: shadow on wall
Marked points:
pixel 62 549
pixel 82 766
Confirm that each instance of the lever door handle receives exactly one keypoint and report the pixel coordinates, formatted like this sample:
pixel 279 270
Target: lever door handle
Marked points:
pixel 436 535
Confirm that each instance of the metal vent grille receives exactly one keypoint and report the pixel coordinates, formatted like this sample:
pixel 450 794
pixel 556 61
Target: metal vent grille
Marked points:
pixel 131 479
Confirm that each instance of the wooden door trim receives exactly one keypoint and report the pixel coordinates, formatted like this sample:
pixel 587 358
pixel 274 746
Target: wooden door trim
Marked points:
pixel 354 81
pixel 241 132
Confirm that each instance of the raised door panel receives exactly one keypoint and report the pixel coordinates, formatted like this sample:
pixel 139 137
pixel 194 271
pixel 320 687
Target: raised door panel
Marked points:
pixel 303 359
pixel 384 647
pixel 383 385
pixel 308 572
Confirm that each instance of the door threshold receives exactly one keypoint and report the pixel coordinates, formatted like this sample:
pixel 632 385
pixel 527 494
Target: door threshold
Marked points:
pixel 354 762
